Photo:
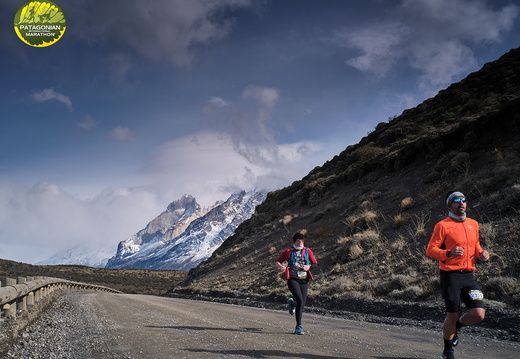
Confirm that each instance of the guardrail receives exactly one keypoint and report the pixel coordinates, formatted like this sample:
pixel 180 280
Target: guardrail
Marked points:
pixel 20 294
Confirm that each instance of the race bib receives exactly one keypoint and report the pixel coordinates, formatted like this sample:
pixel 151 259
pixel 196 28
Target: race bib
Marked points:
pixel 302 274
pixel 476 294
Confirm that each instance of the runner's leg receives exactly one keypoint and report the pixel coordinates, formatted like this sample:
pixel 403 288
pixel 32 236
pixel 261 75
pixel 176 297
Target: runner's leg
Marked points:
pixel 298 293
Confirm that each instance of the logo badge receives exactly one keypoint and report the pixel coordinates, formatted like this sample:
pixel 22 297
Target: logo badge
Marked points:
pixel 40 23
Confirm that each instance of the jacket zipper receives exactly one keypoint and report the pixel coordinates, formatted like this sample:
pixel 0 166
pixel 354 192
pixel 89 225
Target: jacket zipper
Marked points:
pixel 466 249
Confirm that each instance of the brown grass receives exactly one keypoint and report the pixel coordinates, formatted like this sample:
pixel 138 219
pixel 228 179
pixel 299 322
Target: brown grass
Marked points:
pixel 406 203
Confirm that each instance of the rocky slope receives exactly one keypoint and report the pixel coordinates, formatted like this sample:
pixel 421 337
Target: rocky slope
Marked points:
pixel 370 210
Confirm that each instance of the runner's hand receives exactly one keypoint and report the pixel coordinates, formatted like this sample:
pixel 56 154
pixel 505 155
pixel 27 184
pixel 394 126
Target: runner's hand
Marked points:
pixel 457 251
pixel 483 256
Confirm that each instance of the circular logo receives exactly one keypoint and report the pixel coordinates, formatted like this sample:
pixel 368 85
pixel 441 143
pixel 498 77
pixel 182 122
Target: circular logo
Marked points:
pixel 40 23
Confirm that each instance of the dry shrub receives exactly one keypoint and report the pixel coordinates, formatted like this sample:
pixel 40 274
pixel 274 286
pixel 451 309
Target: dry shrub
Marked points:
pixel 344 239
pixel 399 220
pixel 367 287
pixel 355 251
pixel 488 234
pixel 340 285
pixel 429 265
pixel 513 196
pixel 286 220
pixel 366 153
pixel 370 217
pixel 354 221
pixel 406 203
pixel 362 220
pixel 418 229
pixel 401 281
pixel 366 205
pixel 397 285
pixel 514 228
pixel 411 293
pixel 399 244
pixel 501 287
pixel 487 231
pixel 461 162
pixel 369 237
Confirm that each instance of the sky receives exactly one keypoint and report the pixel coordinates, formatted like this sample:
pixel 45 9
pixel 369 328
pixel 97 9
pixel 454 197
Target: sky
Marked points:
pixel 141 102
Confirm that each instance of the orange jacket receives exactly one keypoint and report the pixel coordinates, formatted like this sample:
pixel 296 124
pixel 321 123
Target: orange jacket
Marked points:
pixel 449 234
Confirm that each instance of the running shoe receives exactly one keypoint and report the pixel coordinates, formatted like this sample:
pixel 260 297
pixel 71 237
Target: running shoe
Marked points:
pixel 299 330
pixel 291 304
pixel 455 340
pixel 448 355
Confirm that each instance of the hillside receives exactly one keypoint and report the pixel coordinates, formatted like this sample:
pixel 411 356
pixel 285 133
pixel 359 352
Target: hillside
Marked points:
pixel 126 280
pixel 370 210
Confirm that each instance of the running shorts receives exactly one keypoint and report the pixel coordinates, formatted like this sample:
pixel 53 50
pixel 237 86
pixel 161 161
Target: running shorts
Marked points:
pixel 460 285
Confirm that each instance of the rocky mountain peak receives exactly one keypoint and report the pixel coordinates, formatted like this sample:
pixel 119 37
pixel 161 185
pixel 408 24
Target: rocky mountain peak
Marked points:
pixel 184 234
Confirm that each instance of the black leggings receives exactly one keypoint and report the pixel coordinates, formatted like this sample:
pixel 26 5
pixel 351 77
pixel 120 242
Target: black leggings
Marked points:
pixel 299 292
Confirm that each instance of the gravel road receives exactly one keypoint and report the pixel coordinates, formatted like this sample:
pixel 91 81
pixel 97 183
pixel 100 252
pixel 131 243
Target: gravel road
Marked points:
pixel 112 326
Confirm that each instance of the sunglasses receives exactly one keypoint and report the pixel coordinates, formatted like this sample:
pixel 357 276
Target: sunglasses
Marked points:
pixel 457 200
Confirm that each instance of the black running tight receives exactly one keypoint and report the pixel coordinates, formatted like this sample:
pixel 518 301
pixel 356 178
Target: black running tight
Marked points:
pixel 299 292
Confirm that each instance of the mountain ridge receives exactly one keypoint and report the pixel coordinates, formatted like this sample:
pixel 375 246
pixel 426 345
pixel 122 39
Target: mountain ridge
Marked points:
pixel 185 234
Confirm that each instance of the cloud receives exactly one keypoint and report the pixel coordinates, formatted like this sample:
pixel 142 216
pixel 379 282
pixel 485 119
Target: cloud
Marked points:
pixel 440 62
pixel 432 37
pixel 87 123
pixel 214 104
pixel 121 134
pixel 164 30
pixel 120 64
pixel 204 165
pixel 238 151
pixel 245 122
pixel 265 96
pixel 49 94
pixel 218 102
pixel 467 20
pixel 37 221
pixel 208 166
pixel 380 46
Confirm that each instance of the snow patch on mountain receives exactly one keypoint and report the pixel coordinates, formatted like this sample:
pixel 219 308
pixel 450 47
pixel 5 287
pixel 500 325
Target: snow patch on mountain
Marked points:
pixel 81 255
pixel 185 234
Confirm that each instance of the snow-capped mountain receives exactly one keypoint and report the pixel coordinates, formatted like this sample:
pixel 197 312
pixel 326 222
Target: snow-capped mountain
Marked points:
pixel 185 234
pixel 160 230
pixel 81 255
